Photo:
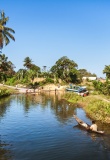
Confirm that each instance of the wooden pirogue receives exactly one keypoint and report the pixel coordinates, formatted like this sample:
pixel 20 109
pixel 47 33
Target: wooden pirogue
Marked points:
pixel 86 126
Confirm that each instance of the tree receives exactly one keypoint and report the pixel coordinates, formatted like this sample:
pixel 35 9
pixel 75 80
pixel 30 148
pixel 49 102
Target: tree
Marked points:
pixel 32 69
pixel 35 68
pixel 5 32
pixel 103 88
pixel 6 67
pixel 21 74
pixel 107 71
pixel 63 67
pixel 74 76
pixel 27 62
pixel 32 74
pixel 85 73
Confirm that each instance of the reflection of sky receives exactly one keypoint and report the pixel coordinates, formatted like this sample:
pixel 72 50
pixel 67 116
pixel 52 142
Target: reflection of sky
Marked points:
pixel 82 115
pixel 42 131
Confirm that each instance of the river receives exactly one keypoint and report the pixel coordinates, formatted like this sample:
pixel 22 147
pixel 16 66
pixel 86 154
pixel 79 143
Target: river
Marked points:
pixel 42 127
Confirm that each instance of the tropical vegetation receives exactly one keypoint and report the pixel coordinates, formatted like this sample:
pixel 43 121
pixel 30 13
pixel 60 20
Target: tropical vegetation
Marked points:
pixel 102 88
pixel 96 107
pixel 107 71
pixel 6 68
pixel 4 92
pixel 5 32
pixel 64 71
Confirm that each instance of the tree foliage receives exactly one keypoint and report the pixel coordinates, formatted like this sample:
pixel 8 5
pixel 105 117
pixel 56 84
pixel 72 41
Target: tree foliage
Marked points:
pixel 5 32
pixel 27 62
pixel 21 73
pixel 6 67
pixel 85 73
pixel 103 88
pixel 107 71
pixel 64 69
pixel 32 74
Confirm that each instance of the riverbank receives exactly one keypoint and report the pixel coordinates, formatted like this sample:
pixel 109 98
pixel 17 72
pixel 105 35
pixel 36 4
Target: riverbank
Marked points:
pixel 97 107
pixel 4 91
pixel 45 88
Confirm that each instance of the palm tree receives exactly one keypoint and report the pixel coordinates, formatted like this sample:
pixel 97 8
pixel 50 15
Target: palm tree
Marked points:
pixel 27 62
pixel 3 62
pixel 32 74
pixel 21 74
pixel 5 32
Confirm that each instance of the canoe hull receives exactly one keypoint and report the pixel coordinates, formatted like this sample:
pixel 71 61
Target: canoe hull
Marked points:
pixel 86 126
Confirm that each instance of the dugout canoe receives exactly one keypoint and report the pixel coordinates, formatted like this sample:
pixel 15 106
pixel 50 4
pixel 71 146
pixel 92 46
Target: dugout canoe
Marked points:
pixel 86 126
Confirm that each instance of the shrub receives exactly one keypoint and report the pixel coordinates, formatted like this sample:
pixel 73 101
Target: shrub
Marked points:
pixel 4 92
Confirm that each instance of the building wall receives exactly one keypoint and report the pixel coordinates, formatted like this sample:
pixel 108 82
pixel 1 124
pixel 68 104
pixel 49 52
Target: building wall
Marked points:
pixel 90 78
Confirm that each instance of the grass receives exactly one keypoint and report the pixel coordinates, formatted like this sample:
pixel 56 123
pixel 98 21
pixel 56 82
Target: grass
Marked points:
pixel 96 106
pixel 4 91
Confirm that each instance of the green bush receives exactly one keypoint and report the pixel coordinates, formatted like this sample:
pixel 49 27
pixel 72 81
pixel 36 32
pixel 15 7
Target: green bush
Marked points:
pixel 72 97
pixel 102 88
pixel 11 81
pixel 49 80
pixel 4 92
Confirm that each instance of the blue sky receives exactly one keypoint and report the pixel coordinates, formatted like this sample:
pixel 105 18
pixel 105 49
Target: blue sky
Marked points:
pixel 46 30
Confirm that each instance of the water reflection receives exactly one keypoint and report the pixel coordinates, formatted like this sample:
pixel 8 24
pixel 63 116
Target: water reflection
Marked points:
pixel 42 127
pixel 5 153
pixel 4 105
pixel 102 141
pixel 62 109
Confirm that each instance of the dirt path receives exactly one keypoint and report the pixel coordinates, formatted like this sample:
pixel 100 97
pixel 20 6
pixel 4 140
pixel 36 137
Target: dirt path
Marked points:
pixel 49 87
pixel 20 89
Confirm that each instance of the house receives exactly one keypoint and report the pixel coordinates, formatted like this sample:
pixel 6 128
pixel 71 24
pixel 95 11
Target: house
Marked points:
pixel 89 78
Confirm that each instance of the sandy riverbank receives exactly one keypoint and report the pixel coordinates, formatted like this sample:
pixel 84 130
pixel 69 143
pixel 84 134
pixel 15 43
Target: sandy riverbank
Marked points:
pixel 49 87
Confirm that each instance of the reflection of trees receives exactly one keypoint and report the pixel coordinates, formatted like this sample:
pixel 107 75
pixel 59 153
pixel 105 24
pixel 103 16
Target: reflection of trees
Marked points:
pixel 62 109
pixel 4 153
pixel 4 103
pixel 32 100
pixel 27 101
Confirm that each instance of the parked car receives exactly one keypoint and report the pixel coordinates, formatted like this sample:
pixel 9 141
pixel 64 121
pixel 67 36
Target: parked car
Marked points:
pixel 83 92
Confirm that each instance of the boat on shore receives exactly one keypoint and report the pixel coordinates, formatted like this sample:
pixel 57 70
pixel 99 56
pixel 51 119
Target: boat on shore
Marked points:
pixel 86 126
pixel 74 88
pixel 82 91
